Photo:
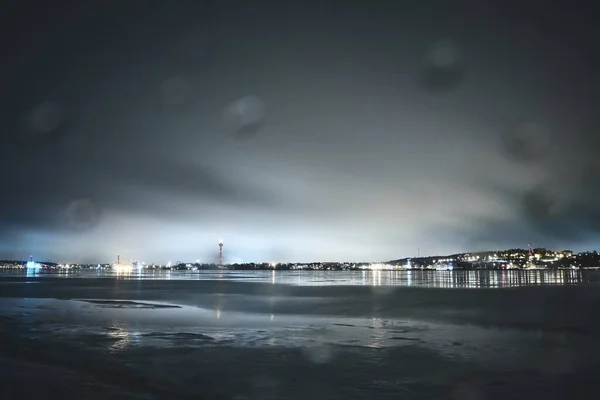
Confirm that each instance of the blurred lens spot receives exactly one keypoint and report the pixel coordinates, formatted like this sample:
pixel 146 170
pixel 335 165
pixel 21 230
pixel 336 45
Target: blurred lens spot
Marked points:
pixel 176 91
pixel 319 353
pixel 443 55
pixel 82 214
pixel 442 69
pixel 526 141
pixel 45 118
pixel 245 116
pixel 541 206
pixel 383 290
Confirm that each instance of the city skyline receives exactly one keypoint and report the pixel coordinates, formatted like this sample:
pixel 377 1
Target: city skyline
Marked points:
pixel 297 132
pixel 530 252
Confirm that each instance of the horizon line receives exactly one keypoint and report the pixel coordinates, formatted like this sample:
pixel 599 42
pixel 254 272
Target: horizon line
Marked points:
pixel 319 261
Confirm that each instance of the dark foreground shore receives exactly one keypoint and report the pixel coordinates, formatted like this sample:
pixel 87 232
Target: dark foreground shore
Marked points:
pixel 105 338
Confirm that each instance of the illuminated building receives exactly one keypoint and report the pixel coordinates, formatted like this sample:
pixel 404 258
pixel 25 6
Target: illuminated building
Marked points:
pixel 122 268
pixel 32 264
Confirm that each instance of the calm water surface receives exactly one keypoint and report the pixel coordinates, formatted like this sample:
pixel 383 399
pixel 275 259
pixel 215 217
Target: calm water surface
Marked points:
pixel 301 334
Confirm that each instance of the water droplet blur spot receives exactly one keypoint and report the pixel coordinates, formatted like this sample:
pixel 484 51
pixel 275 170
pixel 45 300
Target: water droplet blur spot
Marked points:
pixel 245 116
pixel 319 354
pixel 45 118
pixel 541 206
pixel 383 290
pixel 442 70
pixel 443 55
pixel 526 141
pixel 82 214
pixel 176 91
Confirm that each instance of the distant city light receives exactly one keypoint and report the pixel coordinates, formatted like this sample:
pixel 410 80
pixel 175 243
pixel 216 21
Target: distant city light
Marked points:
pixel 122 268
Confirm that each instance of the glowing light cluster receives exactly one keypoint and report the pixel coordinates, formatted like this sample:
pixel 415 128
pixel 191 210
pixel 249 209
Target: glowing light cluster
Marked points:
pixel 33 265
pixel 122 268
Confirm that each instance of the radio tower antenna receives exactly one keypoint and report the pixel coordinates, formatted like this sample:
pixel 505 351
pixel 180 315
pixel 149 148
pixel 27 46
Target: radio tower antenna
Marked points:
pixel 221 253
pixel 530 258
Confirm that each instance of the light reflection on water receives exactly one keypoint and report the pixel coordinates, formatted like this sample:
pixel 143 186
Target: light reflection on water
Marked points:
pixel 421 278
pixel 379 334
pixel 124 337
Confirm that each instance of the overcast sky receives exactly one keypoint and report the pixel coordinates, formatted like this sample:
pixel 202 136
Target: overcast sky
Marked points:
pixel 296 131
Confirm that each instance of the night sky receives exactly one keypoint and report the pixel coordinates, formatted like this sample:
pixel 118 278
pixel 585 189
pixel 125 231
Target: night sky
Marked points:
pixel 296 130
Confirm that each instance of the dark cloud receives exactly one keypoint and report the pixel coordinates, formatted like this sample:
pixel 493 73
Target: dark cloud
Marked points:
pixel 40 198
pixel 82 214
pixel 550 213
pixel 134 120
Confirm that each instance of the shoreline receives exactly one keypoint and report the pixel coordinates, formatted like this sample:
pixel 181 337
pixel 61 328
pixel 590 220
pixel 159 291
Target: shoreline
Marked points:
pixel 226 268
